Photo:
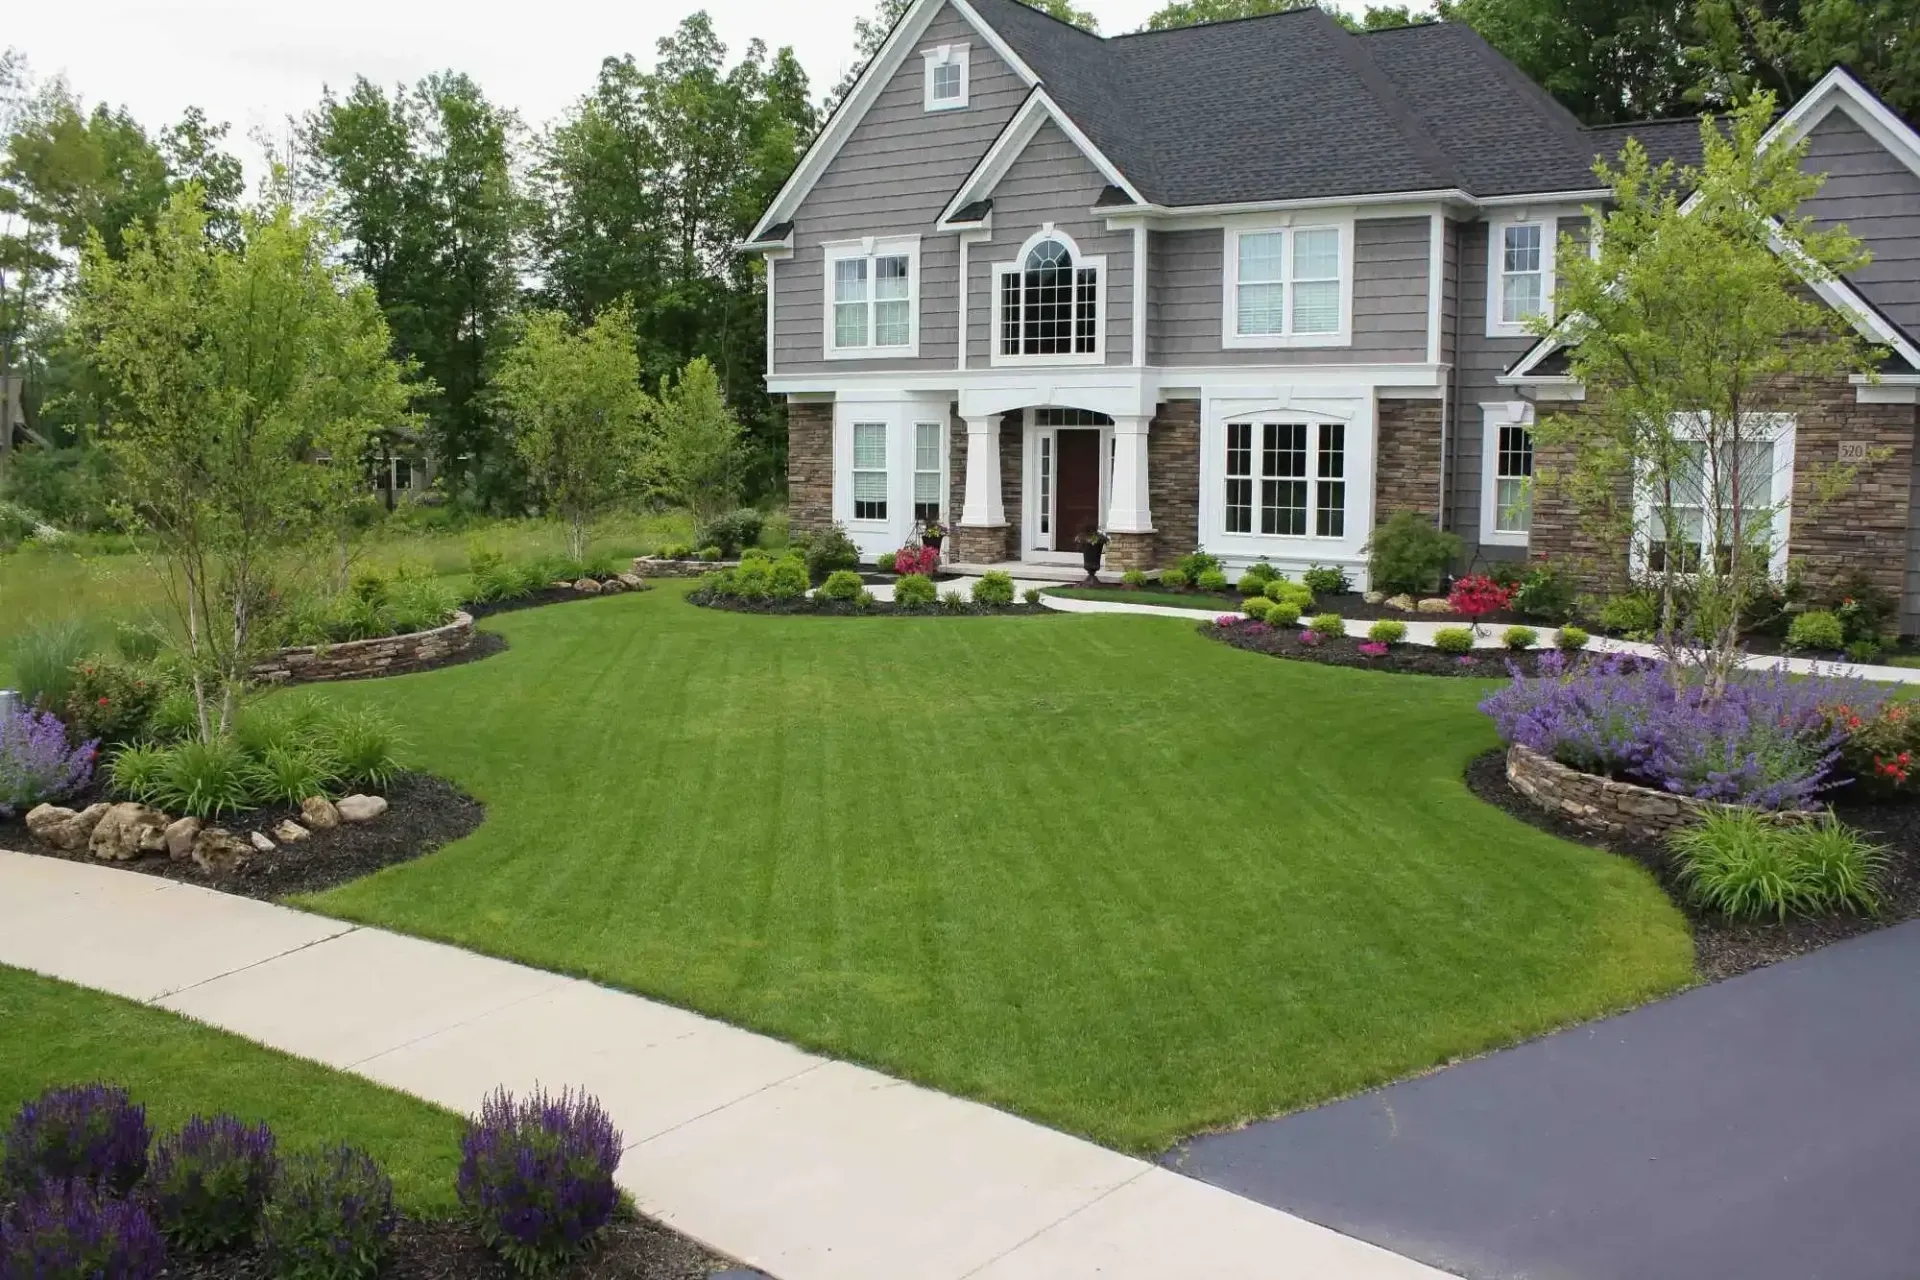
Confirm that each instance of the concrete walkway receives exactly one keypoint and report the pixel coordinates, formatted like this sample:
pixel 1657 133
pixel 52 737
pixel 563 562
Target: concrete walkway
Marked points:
pixel 1765 1128
pixel 807 1168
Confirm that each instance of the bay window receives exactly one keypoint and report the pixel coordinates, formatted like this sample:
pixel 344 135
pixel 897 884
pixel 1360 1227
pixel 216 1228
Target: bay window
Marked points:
pixel 1288 286
pixel 872 298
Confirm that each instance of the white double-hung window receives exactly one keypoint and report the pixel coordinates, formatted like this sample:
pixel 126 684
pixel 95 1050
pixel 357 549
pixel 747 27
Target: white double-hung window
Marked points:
pixel 1735 490
pixel 1519 274
pixel 1288 286
pixel 929 470
pixel 1506 473
pixel 869 471
pixel 1287 479
pixel 873 298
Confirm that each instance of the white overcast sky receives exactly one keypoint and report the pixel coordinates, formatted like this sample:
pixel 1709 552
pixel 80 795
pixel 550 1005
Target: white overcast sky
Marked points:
pixel 252 63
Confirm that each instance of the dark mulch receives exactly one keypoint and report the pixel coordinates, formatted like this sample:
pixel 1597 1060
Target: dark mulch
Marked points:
pixel 1350 605
pixel 423 813
pixel 1722 947
pixel 1344 651
pixel 545 595
pixel 633 1248
pixel 814 607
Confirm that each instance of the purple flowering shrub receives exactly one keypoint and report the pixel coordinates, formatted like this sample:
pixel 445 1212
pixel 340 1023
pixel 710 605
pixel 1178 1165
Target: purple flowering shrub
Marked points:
pixel 1769 740
pixel 88 1133
pixel 329 1217
pixel 210 1181
pixel 536 1174
pixel 36 764
pixel 64 1231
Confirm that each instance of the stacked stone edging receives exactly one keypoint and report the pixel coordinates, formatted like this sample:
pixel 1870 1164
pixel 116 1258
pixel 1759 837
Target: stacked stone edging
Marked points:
pixel 653 567
pixel 385 655
pixel 1609 807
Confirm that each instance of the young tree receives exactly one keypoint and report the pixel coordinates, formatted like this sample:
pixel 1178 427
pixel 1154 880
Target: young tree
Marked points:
pixel 1688 331
pixel 694 452
pixel 233 372
pixel 577 410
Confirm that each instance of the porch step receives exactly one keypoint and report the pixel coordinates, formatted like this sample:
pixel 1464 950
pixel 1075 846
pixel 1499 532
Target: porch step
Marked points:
pixel 1032 572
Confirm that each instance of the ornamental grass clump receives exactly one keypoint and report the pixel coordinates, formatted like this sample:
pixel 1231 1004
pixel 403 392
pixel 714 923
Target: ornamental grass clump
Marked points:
pixel 1737 864
pixel 93 1134
pixel 66 1231
pixel 1769 740
pixel 37 764
pixel 329 1216
pixel 210 1181
pixel 536 1176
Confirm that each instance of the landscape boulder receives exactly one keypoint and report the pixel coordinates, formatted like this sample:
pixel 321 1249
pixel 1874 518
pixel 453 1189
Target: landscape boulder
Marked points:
pixel 63 828
pixel 219 852
pixel 632 581
pixel 319 814
pixel 126 831
pixel 1435 604
pixel 587 586
pixel 287 831
pixel 181 834
pixel 1374 597
pixel 260 841
pixel 362 808
pixel 1403 602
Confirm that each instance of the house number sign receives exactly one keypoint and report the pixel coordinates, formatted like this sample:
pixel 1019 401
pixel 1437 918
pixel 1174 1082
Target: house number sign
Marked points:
pixel 1853 451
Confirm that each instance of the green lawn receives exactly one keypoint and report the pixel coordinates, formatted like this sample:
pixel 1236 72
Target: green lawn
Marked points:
pixel 55 1034
pixel 1097 869
pixel 1145 595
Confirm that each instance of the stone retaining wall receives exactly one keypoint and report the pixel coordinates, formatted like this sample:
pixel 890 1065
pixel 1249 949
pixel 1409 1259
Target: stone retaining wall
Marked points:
pixel 650 567
pixel 387 655
pixel 1607 807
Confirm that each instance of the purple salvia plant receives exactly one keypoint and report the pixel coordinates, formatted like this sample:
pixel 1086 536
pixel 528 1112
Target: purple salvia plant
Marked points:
pixel 330 1215
pixel 210 1180
pixel 64 1229
pixel 36 764
pixel 1769 740
pixel 536 1175
pixel 89 1133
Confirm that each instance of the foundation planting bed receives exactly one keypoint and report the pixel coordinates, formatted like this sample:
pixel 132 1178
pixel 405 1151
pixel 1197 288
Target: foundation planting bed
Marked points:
pixel 1345 651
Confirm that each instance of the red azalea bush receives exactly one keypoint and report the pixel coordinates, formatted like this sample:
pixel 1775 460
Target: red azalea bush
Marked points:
pixel 920 560
pixel 1478 596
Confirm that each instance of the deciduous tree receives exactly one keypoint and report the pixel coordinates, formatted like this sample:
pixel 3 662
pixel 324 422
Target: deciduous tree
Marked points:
pixel 694 450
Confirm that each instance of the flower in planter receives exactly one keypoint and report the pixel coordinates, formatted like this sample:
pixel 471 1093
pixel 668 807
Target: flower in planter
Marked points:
pixel 933 529
pixel 1374 649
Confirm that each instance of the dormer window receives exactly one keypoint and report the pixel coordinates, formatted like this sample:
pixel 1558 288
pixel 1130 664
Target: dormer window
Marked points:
pixel 1049 306
pixel 1519 274
pixel 946 77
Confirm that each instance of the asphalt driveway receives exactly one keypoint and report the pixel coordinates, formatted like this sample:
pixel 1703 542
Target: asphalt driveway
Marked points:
pixel 1763 1128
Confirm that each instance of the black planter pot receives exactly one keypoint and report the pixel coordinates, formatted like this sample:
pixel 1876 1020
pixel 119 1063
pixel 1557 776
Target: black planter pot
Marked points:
pixel 931 540
pixel 1091 555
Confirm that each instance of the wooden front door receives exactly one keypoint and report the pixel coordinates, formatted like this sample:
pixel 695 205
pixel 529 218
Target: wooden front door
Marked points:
pixel 1077 507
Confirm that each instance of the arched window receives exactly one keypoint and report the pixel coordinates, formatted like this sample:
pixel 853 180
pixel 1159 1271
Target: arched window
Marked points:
pixel 1049 305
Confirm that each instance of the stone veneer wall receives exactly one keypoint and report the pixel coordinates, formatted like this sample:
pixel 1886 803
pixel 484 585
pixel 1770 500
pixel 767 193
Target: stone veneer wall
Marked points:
pixel 1864 528
pixel 1607 807
pixel 1173 480
pixel 387 655
pixel 1406 465
pixel 809 465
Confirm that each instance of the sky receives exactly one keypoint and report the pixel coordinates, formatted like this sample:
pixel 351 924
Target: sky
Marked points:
pixel 253 63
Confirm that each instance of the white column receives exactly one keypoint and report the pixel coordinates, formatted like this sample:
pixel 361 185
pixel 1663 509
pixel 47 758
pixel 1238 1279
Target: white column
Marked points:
pixel 1129 511
pixel 982 508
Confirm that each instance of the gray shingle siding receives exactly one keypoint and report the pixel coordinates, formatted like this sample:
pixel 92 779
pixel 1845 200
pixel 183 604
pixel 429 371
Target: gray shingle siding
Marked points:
pixel 896 172
pixel 1389 300
pixel 1878 198
pixel 1479 361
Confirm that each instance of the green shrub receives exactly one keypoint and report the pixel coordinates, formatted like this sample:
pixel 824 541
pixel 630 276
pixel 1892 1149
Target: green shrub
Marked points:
pixel 204 779
pixel 177 716
pixel 1387 631
pixel 1326 582
pixel 137 771
pixel 829 551
pixel 1134 578
pixel 45 658
pixel 1453 640
pixel 1571 639
pixel 756 553
pixel 711 554
pixel 733 532
pixel 329 1216
pixel 289 774
pixel 138 642
pixel 1327 624
pixel 1634 613
pixel 362 746
pixel 753 579
pixel 1173 579
pixel 914 591
pixel 953 602
pixel 1196 563
pixel 1518 638
pixel 1294 593
pixel 1408 554
pixel 677 551
pixel 1816 629
pixel 1254 581
pixel 841 584
pixel 1544 593
pixel 788 578
pixel 1739 865
pixel 420 604
pixel 994 588
pixel 110 701
pixel 1864 650
pixel 1282 613
pixel 883 561
pixel 1211 580
pixel 1031 596
pixel 1256 607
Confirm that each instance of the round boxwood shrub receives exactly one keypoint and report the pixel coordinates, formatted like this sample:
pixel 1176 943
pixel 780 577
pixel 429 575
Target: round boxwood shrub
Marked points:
pixel 64 1229
pixel 1323 581
pixel 841 584
pixel 1296 593
pixel 1282 613
pixel 90 1133
pixel 1518 638
pixel 1134 578
pixel 329 1217
pixel 1327 624
pixel 1572 640
pixel 711 553
pixel 210 1181
pixel 1453 640
pixel 1256 607
pixel 1254 581
pixel 788 579
pixel 1387 631
pixel 995 588
pixel 1816 629
pixel 1031 596
pixel 914 591
pixel 1212 580
pixel 753 580
pixel 1173 579
pixel 536 1176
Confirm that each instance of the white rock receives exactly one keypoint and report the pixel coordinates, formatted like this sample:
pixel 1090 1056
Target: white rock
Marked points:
pixel 362 808
pixel 181 834
pixel 260 842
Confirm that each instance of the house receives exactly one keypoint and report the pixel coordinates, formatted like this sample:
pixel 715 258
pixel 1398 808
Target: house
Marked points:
pixel 1251 286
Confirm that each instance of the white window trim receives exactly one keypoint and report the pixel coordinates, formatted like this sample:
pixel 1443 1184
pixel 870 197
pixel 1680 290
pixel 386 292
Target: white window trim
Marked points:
pixel 1780 492
pixel 1001 269
pixel 871 247
pixel 887 435
pixel 1549 224
pixel 1493 416
pixel 1230 335
pixel 945 491
pixel 942 56
pixel 1258 422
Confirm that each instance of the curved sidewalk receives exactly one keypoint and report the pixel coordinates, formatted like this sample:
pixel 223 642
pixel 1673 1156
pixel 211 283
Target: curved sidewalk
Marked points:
pixel 807 1168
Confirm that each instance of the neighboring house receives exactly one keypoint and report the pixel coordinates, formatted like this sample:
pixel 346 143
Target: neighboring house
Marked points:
pixel 1229 286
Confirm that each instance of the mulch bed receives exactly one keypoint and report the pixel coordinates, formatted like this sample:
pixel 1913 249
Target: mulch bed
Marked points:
pixel 544 596
pixel 1722 947
pixel 423 813
pixel 1351 605
pixel 813 607
pixel 1344 651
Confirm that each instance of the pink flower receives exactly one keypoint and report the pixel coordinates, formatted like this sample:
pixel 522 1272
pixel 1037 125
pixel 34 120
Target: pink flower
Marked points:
pixel 1226 620
pixel 1374 649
